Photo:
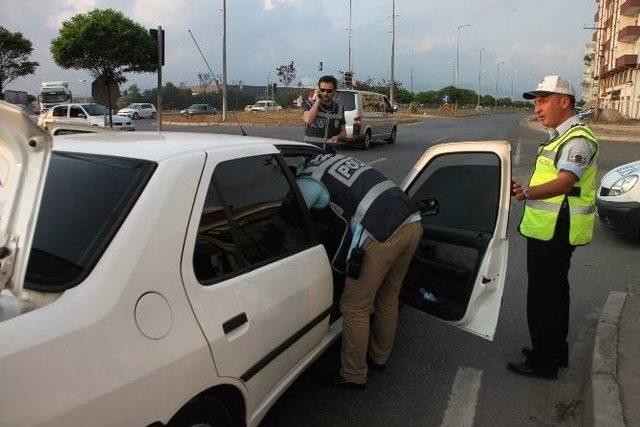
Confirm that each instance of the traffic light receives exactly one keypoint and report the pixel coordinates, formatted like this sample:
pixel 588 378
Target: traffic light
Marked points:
pixel 320 66
pixel 348 78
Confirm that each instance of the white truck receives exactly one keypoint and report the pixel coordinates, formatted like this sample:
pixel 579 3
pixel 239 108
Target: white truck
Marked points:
pixel 53 93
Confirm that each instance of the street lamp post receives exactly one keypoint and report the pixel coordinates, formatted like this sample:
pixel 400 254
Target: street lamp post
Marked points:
pixel 458 52
pixel 411 71
pixel 84 88
pixel 453 73
pixel 498 79
pixel 480 77
pixel 393 48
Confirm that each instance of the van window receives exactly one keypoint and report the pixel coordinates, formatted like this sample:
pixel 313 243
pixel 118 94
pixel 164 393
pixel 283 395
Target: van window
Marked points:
pixel 369 102
pixel 380 107
pixel 85 200
pixel 60 111
pixel 346 99
pixel 252 216
pixel 75 112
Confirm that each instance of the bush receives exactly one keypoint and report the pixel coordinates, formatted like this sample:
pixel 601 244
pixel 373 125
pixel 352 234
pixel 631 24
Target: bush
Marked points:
pixel 413 107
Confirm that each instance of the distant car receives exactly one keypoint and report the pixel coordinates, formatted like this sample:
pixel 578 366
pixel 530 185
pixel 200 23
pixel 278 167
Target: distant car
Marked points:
pixel 138 110
pixel 248 107
pixel 199 109
pixel 266 106
pixel 585 112
pixel 618 199
pixel 83 114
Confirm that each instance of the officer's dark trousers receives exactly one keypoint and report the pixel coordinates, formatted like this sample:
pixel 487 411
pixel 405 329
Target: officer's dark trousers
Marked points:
pixel 548 265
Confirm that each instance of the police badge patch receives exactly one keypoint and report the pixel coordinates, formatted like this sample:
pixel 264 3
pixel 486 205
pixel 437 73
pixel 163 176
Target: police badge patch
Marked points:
pixel 577 156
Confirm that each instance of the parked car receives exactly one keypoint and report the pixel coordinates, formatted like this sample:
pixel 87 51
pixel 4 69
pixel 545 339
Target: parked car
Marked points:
pixel 83 114
pixel 174 278
pixel 248 107
pixel 266 106
pixel 369 117
pixel 618 199
pixel 199 109
pixel 138 110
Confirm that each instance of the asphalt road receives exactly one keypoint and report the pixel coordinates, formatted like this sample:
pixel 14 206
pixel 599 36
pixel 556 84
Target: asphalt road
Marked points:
pixel 439 373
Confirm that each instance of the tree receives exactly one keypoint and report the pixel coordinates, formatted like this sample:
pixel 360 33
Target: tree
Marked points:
pixel 205 80
pixel 107 44
pixel 14 57
pixel 287 73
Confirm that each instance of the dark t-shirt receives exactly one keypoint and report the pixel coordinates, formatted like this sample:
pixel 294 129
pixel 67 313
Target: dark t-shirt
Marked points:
pixel 328 122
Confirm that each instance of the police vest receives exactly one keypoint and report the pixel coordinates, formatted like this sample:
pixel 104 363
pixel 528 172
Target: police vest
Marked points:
pixel 359 192
pixel 540 216
pixel 327 123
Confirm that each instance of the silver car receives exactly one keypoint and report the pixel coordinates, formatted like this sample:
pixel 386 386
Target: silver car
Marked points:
pixel 369 117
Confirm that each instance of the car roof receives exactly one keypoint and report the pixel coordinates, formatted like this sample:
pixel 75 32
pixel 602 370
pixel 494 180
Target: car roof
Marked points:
pixel 158 146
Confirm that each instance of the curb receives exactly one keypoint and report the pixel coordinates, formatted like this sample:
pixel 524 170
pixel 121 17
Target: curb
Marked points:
pixel 602 404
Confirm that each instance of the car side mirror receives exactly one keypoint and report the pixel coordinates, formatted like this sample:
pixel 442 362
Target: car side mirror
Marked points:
pixel 394 108
pixel 429 207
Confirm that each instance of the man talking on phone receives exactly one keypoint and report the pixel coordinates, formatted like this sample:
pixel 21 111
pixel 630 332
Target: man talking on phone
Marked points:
pixel 323 117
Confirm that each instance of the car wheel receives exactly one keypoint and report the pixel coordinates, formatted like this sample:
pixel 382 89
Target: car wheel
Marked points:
pixel 392 137
pixel 153 114
pixel 202 412
pixel 366 141
pixel 135 116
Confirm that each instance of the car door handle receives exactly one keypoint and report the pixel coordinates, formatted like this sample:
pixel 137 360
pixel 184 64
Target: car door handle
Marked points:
pixel 234 323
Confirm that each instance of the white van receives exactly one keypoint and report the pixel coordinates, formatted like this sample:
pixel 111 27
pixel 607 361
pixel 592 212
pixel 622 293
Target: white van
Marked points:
pixel 369 117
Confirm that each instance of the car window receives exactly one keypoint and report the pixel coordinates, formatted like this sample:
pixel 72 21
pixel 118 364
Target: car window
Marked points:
pixel 380 107
pixel 265 219
pixel 387 105
pixel 60 111
pixel 75 112
pixel 85 200
pixel 466 187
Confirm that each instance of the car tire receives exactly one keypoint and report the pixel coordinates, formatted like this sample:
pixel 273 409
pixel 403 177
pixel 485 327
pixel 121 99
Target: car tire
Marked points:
pixel 135 116
pixel 366 140
pixel 153 114
pixel 392 137
pixel 202 411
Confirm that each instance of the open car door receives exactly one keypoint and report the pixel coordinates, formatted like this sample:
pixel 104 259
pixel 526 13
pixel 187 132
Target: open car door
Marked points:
pixel 25 150
pixel 457 274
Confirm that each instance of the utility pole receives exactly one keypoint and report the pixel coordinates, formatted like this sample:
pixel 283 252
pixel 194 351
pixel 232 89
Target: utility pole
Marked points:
pixel 480 78
pixel 160 51
pixel 498 79
pixel 224 60
pixel 411 74
pixel 458 52
pixel 513 76
pixel 393 48
pixel 350 31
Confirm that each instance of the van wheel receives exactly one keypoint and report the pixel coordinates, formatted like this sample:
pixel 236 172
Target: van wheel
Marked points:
pixel 366 141
pixel 392 137
pixel 202 412
pixel 135 116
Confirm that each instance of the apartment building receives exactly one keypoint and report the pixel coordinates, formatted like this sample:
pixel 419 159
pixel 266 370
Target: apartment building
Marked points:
pixel 616 56
pixel 589 83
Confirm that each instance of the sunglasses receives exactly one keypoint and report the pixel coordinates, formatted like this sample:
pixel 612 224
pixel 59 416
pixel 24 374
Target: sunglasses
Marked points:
pixel 325 90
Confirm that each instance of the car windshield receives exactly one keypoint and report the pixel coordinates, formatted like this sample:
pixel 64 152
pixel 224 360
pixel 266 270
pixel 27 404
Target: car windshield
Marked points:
pixel 85 200
pixel 53 97
pixel 261 104
pixel 346 99
pixel 94 109
pixel 134 106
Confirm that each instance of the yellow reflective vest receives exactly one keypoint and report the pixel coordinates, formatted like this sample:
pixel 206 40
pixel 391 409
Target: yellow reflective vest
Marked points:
pixel 540 216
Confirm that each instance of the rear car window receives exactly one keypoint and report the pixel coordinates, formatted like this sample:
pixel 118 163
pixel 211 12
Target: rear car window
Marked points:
pixel 85 200
pixel 346 99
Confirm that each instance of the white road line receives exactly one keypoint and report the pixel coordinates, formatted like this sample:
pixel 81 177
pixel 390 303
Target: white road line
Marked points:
pixel 373 162
pixel 463 398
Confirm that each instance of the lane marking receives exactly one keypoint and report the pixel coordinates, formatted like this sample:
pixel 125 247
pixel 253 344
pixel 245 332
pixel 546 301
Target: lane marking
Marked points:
pixel 373 162
pixel 461 409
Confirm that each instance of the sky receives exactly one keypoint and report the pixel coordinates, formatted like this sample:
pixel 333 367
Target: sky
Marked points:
pixel 531 38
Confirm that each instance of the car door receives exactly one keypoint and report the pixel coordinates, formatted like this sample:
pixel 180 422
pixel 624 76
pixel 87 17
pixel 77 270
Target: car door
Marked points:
pixel 77 115
pixel 458 272
pixel 259 284
pixel 59 114
pixel 25 150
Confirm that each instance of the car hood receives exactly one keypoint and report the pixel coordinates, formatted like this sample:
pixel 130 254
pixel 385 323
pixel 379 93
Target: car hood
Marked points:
pixel 613 175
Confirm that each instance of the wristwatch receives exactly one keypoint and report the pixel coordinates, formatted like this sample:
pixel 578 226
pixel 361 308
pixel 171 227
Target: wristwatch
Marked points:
pixel 526 192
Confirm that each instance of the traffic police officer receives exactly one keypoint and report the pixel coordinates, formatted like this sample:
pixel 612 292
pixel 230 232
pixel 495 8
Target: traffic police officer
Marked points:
pixel 382 232
pixel 559 214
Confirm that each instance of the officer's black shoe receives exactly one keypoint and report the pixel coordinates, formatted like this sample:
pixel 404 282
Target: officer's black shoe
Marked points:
pixel 562 363
pixel 528 369
pixel 376 366
pixel 338 382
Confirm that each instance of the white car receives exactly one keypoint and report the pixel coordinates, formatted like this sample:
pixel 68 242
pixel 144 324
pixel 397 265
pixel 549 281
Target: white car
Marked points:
pixel 174 278
pixel 83 114
pixel 618 199
pixel 266 106
pixel 139 110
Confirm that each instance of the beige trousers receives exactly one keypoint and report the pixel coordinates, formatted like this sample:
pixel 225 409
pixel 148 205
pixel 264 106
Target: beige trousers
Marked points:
pixel 383 269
